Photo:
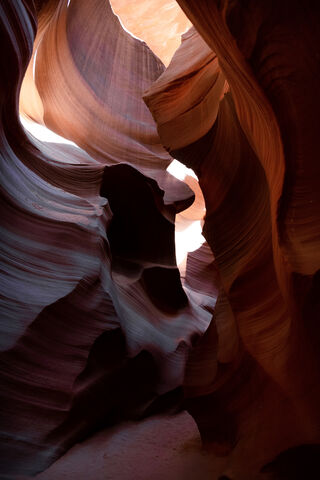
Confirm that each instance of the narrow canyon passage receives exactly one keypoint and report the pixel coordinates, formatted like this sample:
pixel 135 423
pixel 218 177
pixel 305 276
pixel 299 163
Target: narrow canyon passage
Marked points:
pixel 160 239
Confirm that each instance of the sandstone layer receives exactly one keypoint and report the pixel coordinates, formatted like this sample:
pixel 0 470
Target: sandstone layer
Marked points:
pixel 98 323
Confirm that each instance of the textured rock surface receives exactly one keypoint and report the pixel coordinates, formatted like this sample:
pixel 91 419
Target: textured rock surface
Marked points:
pixel 257 167
pixel 89 332
pixel 98 324
pixel 161 31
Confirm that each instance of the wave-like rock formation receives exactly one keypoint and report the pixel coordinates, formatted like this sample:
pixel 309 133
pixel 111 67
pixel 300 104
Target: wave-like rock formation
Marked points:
pixel 254 146
pixel 95 322
pixel 98 323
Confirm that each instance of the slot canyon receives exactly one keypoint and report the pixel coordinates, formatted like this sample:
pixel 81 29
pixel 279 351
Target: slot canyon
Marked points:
pixel 160 240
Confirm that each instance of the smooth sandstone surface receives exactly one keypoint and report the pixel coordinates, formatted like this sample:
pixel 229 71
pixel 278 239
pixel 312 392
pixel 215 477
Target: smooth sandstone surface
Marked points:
pixel 106 324
pixel 159 23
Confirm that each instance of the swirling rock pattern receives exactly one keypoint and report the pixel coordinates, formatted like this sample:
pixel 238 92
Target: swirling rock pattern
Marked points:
pixel 97 322
pixel 254 151
pixel 161 31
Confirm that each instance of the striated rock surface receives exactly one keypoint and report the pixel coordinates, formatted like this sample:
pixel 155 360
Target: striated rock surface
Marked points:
pixel 161 31
pixel 100 322
pixel 255 152
pixel 95 321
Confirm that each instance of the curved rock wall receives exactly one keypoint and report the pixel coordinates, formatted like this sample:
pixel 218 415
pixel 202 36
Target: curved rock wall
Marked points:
pixel 95 321
pixel 97 324
pixel 255 153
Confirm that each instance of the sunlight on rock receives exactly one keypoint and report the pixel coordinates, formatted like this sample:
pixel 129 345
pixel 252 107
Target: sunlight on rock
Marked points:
pixel 162 32
pixel 188 241
pixel 179 171
pixel 188 234
pixel 43 133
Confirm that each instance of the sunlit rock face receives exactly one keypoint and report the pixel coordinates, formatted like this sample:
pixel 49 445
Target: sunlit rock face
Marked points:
pixel 104 317
pixel 96 325
pixel 159 23
pixel 255 152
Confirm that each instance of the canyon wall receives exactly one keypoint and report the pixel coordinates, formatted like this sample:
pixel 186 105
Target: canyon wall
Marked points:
pixel 98 324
